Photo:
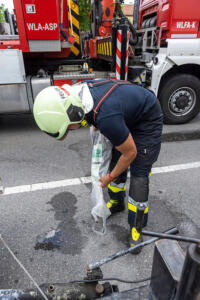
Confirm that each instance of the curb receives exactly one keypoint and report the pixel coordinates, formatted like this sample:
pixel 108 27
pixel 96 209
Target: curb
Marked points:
pixel 182 132
pixel 180 136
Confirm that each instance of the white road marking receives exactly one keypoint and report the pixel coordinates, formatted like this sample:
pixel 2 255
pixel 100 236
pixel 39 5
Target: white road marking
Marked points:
pixel 84 180
pixel 175 168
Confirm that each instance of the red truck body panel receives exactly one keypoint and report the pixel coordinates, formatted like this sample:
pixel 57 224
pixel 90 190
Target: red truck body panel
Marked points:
pixel 42 19
pixel 21 26
pixel 39 20
pixel 175 17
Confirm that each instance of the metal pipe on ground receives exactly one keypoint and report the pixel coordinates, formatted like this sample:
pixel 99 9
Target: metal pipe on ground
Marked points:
pixel 171 237
pixel 103 261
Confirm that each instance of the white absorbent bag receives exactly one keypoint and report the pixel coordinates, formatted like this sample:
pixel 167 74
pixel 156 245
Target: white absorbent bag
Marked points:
pixel 101 157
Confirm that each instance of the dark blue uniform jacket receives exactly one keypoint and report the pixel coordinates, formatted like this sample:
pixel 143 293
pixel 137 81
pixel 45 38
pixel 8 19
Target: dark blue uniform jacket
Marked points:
pixel 129 109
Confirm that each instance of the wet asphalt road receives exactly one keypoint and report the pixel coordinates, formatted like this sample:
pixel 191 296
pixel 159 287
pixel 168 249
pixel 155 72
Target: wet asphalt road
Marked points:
pixel 27 156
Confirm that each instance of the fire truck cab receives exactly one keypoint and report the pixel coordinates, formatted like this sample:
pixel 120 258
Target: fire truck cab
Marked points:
pixel 169 49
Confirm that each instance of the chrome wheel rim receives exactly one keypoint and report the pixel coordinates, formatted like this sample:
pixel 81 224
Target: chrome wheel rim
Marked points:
pixel 182 101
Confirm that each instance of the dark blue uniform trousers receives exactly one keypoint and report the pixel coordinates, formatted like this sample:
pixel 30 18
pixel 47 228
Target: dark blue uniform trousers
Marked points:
pixel 140 170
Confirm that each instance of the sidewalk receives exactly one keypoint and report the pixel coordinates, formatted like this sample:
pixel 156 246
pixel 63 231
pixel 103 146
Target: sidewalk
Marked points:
pixel 171 133
pixel 182 132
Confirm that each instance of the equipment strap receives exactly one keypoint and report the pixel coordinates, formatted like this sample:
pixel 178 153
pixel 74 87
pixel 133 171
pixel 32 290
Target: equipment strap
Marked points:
pixel 103 97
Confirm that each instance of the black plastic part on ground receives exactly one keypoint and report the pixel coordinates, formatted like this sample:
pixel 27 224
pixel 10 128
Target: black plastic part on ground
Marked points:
pixel 143 292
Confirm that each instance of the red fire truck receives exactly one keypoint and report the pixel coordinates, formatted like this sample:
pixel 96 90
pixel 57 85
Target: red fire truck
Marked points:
pixel 164 54
pixel 45 48
pixel 173 46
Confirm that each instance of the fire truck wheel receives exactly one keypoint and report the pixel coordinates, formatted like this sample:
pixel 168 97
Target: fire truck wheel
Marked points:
pixel 180 98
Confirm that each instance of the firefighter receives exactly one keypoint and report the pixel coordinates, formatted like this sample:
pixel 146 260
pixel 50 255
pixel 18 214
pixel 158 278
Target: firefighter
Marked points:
pixel 129 116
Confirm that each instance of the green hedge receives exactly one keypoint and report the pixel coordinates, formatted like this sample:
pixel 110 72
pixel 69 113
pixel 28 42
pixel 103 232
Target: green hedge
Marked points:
pixel 2 15
pixel 84 14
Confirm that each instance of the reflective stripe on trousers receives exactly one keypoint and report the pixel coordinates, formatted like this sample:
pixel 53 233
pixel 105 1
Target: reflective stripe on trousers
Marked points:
pixel 133 205
pixel 132 211
pixel 117 191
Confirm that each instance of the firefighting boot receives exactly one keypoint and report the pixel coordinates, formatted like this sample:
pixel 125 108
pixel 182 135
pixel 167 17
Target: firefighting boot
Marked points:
pixel 135 238
pixel 115 206
pixel 138 193
pixel 137 209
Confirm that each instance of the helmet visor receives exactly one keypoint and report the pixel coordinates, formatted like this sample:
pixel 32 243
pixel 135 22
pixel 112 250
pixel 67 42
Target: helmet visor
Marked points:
pixel 55 135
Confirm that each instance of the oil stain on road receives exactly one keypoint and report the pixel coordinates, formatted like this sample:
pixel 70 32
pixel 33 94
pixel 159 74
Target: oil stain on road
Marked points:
pixel 67 237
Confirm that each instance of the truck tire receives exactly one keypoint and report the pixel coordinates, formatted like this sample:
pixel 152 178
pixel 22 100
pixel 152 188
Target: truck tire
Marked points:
pixel 180 98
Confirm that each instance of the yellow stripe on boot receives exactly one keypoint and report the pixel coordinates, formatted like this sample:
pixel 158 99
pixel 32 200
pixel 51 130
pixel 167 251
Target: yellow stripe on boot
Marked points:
pixel 135 234
pixel 116 206
pixel 111 202
pixel 135 239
